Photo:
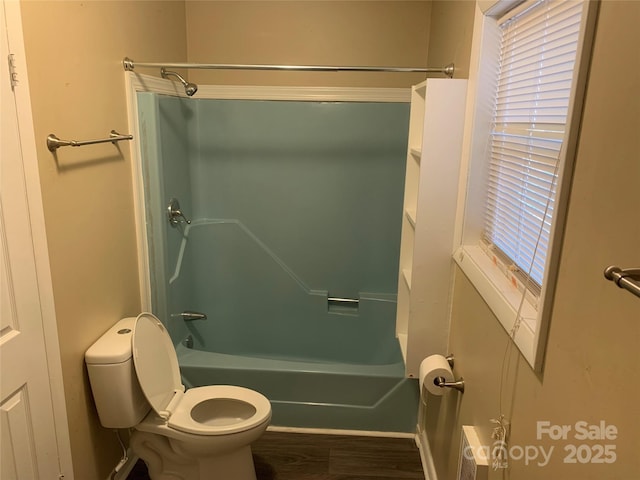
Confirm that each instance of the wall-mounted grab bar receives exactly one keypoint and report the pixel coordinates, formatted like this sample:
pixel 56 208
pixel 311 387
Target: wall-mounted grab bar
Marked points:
pixel 54 143
pixel 628 278
pixel 343 305
pixel 344 301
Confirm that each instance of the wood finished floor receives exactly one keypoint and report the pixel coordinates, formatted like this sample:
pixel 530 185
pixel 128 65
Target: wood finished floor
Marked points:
pixel 298 456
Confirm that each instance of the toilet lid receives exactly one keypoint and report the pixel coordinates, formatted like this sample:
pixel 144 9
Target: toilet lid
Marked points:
pixel 156 362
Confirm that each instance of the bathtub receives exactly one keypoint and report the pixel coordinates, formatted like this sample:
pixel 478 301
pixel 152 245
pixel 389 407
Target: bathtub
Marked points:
pixel 313 394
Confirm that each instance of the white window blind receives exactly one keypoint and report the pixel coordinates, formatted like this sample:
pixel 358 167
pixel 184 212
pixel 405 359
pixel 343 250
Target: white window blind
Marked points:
pixel 537 57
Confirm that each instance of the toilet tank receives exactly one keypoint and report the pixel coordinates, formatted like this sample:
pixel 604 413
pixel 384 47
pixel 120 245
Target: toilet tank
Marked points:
pixel 116 391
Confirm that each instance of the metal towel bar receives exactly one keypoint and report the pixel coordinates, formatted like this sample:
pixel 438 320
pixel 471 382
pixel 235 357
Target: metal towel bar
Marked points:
pixel 628 278
pixel 54 143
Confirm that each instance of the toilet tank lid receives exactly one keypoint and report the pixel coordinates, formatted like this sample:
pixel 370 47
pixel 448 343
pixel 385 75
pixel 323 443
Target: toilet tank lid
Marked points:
pixel 114 346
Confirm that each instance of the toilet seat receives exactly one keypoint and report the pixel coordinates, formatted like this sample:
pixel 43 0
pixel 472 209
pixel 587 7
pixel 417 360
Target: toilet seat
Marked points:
pixel 244 409
pixel 210 410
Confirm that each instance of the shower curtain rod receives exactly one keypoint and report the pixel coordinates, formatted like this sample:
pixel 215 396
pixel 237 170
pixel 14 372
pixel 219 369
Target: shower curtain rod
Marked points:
pixel 129 65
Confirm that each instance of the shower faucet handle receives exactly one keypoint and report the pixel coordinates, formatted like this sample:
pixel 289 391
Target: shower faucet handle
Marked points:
pixel 175 215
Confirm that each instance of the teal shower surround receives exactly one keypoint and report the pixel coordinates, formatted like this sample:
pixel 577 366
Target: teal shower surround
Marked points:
pixel 291 202
pixel 260 307
pixel 320 183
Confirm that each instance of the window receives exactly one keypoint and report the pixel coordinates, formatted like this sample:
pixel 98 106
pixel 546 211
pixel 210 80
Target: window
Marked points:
pixel 537 59
pixel 521 139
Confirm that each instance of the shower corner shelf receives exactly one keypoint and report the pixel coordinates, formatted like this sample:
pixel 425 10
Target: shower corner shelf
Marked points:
pixel 433 157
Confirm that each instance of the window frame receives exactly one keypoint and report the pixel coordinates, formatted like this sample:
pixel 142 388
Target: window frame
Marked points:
pixel 499 288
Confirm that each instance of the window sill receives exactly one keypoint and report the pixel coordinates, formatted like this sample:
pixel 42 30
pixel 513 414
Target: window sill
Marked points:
pixel 501 296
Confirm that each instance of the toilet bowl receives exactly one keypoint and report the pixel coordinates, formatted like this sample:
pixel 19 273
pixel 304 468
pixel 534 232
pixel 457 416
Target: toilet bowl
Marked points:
pixel 205 432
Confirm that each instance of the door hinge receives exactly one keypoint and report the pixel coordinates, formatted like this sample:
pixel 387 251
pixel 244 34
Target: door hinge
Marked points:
pixel 13 74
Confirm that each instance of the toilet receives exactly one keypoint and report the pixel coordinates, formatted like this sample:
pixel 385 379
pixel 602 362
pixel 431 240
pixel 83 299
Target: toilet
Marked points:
pixel 204 432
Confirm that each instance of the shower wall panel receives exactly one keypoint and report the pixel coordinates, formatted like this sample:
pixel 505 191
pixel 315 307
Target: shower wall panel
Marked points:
pixel 291 202
pixel 319 183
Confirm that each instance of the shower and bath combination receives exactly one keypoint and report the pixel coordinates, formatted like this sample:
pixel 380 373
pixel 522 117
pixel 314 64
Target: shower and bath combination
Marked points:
pixel 310 326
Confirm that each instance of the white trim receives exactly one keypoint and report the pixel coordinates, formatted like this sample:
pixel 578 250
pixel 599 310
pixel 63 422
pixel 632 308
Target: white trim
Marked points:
pixel 332 431
pixel 307 94
pixel 485 41
pixel 428 465
pixel 565 176
pixel 497 8
pixel 498 293
pixel 148 83
pixel 136 82
pixel 40 247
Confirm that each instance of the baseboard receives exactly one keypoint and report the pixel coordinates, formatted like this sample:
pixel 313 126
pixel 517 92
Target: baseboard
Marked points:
pixel 428 466
pixel 330 431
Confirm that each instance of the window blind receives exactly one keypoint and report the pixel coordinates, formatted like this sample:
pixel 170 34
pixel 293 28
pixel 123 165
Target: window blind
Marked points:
pixel 537 57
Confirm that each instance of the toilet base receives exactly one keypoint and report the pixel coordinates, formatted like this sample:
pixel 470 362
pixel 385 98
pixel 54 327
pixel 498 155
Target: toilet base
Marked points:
pixel 164 463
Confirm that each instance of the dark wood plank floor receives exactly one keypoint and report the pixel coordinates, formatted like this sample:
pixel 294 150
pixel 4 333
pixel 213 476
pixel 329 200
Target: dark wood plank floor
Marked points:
pixel 297 456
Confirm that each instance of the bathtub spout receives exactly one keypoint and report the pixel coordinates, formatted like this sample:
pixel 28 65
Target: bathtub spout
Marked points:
pixel 188 315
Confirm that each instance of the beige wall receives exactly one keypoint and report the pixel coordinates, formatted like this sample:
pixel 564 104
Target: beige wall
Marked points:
pixel 74 50
pixel 450 34
pixel 592 356
pixel 388 33
pixel 77 89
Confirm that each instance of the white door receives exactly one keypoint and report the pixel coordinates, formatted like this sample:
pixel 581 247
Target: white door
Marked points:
pixel 28 437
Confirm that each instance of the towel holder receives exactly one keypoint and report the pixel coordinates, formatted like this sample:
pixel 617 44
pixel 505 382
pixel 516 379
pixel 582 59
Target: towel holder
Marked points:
pixel 54 143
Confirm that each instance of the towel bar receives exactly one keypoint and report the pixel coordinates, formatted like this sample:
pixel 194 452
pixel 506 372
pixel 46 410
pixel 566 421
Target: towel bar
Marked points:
pixel 54 143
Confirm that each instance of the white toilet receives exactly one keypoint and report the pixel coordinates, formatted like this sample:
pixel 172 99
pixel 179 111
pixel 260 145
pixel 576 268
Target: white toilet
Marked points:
pixel 204 432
